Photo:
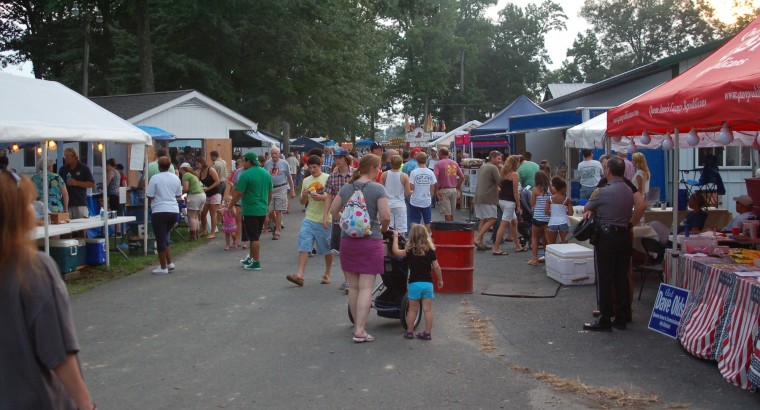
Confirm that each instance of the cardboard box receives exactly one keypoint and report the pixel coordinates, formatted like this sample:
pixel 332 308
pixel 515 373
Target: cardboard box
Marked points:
pixel 59 218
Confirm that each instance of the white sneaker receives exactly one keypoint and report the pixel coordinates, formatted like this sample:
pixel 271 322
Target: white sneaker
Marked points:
pixel 170 266
pixel 160 271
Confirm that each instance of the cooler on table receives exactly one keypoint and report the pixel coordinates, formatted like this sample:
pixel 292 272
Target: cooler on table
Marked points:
pixel 570 264
pixel 64 253
pixel 96 251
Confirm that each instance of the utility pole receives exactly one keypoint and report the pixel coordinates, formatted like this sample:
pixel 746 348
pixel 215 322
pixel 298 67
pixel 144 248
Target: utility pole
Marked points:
pixel 461 84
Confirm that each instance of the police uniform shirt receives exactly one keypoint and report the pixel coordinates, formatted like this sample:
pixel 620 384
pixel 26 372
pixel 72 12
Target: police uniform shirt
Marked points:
pixel 613 203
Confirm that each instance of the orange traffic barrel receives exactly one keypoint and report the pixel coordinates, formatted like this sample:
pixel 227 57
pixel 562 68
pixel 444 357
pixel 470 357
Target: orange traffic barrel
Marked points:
pixel 455 251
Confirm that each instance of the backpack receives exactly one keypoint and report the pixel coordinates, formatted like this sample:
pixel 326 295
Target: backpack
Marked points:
pixel 354 221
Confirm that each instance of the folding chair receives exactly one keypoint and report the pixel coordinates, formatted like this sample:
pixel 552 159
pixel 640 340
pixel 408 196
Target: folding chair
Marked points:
pixel 709 182
pixel 652 264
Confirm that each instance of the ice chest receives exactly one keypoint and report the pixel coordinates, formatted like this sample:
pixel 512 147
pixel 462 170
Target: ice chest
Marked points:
pixel 96 251
pixel 81 252
pixel 64 253
pixel 570 264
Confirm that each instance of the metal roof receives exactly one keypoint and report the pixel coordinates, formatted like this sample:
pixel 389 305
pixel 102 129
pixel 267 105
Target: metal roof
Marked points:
pixel 131 105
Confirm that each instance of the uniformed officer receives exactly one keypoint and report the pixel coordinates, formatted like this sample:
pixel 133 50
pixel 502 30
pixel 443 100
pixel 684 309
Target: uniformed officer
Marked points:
pixel 613 205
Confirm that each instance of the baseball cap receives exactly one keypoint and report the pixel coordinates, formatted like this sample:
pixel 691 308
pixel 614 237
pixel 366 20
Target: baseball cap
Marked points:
pixel 745 200
pixel 252 158
pixel 414 152
pixel 434 149
pixel 185 165
pixel 340 152
pixel 375 145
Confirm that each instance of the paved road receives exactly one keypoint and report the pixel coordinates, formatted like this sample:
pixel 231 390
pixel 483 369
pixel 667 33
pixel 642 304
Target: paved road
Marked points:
pixel 211 336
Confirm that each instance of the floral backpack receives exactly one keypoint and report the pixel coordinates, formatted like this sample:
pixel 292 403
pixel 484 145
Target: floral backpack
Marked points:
pixel 354 220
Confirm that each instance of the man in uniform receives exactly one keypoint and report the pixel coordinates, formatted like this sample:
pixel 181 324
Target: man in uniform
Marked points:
pixel 613 205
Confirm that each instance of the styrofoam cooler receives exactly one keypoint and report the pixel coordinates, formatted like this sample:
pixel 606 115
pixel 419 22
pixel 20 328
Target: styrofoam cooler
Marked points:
pixel 570 264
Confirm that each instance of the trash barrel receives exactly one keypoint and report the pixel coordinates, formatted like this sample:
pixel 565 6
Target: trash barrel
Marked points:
pixel 455 251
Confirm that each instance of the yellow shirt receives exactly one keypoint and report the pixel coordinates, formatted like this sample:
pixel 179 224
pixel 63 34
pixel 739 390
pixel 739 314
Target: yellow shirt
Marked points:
pixel 314 208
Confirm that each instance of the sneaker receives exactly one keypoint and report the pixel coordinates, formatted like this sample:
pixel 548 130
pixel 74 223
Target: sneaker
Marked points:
pixel 254 265
pixel 246 261
pixel 160 271
pixel 170 266
pixel 344 286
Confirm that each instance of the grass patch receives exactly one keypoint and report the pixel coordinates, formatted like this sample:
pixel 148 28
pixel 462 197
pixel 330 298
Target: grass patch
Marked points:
pixel 92 276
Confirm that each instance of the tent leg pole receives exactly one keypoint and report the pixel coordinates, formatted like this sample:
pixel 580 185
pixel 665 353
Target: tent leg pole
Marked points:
pixel 105 206
pixel 145 203
pixel 676 159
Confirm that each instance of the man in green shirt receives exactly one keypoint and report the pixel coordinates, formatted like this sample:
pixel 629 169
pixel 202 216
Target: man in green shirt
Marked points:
pixel 254 191
pixel 527 171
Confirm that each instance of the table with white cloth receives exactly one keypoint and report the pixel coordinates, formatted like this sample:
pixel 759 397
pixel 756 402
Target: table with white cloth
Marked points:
pixel 715 217
pixel 639 232
pixel 722 315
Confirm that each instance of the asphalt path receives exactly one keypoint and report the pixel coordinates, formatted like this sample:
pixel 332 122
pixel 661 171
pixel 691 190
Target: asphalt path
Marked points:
pixel 211 335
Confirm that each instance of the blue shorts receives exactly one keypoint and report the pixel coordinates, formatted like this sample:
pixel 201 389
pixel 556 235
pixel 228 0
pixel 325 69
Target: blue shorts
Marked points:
pixel 420 290
pixel 314 233
pixel 418 215
pixel 559 228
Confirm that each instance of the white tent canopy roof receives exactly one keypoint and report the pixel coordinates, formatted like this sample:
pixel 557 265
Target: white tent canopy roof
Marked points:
pixel 37 110
pixel 460 130
pixel 591 134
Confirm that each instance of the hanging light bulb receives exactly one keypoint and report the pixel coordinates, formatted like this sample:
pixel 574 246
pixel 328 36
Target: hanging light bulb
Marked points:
pixel 645 138
pixel 39 150
pixel 667 143
pixel 15 148
pixel 100 147
pixel 616 139
pixel 632 148
pixel 725 136
pixel 52 145
pixel 692 139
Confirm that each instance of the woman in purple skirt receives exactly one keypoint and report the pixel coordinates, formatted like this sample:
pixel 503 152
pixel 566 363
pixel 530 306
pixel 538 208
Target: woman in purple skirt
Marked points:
pixel 362 258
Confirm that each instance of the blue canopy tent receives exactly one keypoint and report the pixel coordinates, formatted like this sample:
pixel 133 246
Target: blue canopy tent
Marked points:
pixel 364 143
pixel 157 134
pixel 305 144
pixel 494 133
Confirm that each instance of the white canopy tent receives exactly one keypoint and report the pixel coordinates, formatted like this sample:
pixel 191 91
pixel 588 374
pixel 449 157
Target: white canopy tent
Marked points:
pixel 449 136
pixel 41 111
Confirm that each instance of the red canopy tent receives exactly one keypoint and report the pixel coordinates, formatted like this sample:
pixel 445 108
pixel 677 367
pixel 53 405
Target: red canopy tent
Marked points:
pixel 723 88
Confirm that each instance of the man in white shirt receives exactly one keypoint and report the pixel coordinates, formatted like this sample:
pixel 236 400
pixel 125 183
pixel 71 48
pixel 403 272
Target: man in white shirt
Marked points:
pixel 744 209
pixel 422 183
pixel 589 173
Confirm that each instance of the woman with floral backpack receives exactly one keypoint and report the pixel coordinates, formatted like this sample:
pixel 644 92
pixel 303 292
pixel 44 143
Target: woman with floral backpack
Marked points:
pixel 361 256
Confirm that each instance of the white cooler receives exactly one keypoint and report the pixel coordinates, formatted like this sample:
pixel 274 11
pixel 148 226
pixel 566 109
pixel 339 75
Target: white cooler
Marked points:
pixel 570 264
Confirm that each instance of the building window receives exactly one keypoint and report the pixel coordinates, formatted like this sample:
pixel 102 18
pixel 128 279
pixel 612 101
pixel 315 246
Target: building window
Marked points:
pixel 727 156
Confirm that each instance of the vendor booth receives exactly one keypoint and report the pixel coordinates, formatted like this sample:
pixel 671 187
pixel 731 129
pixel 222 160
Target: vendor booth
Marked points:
pixel 42 112
pixel 714 102
pixel 496 132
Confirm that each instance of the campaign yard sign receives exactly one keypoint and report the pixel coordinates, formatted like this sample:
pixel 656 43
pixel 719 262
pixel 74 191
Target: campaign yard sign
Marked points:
pixel 668 309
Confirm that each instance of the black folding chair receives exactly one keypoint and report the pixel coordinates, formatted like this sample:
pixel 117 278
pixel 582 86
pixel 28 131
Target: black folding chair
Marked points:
pixel 655 254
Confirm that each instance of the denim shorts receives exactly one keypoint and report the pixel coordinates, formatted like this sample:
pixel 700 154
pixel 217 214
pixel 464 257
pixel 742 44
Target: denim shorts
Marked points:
pixel 419 215
pixel 314 233
pixel 559 228
pixel 420 290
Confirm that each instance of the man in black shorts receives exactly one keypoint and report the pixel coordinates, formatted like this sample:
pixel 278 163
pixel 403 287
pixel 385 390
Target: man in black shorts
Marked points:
pixel 254 191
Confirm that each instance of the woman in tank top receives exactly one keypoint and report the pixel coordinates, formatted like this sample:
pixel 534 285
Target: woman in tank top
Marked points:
pixel 510 205
pixel 210 180
pixel 397 185
pixel 538 200
pixel 559 208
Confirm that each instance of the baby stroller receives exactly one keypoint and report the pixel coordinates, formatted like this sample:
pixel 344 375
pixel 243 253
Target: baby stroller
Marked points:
pixel 525 219
pixel 389 296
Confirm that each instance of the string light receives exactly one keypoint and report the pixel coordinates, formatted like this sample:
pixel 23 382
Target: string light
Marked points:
pixel 100 147
pixel 15 148
pixel 52 145
pixel 725 136
pixel 645 138
pixel 692 139
pixel 632 148
pixel 667 143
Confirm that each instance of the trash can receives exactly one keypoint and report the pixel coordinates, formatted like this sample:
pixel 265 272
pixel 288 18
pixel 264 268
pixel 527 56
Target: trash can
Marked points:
pixel 455 250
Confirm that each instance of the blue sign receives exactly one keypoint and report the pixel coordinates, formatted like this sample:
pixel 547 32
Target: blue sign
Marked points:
pixel 668 309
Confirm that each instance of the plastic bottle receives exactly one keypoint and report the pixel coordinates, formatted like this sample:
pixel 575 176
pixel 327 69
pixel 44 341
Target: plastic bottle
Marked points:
pixel 102 214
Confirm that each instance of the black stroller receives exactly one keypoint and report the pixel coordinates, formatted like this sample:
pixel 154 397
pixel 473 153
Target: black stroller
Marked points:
pixel 389 296
pixel 525 220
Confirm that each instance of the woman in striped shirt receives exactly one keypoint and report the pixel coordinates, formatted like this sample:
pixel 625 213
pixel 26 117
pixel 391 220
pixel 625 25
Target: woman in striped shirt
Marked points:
pixel 538 199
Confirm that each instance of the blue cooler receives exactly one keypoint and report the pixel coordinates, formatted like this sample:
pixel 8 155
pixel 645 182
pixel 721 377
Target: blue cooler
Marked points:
pixel 96 251
pixel 64 252
pixel 81 252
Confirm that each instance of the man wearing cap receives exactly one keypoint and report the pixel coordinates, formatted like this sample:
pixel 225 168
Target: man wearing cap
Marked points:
pixel 744 209
pixel 282 183
pixel 58 195
pixel 254 191
pixel 335 182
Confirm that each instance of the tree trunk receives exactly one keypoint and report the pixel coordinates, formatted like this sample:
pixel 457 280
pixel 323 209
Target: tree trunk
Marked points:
pixel 143 45
pixel 285 138
pixel 461 84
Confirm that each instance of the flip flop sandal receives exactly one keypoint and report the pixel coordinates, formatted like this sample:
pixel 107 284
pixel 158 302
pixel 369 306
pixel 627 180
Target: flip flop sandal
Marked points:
pixel 408 335
pixel 275 236
pixel 521 250
pixel 365 339
pixel 424 336
pixel 325 280
pixel 500 253
pixel 533 262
